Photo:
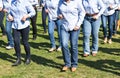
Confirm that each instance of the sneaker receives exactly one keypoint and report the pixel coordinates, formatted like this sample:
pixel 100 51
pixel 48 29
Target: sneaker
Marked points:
pixel 59 49
pixel 52 49
pixel 9 47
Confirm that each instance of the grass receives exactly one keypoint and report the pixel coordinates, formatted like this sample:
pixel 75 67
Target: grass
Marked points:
pixel 47 65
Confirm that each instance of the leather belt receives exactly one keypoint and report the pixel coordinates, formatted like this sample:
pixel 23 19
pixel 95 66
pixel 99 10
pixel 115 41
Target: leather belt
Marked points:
pixel 91 14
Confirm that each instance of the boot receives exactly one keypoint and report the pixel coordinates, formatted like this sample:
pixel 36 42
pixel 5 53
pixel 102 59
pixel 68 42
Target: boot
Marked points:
pixel 27 61
pixel 18 62
pixel 34 36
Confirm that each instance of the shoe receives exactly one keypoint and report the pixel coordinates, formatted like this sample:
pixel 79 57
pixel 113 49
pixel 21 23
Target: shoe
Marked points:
pixel 34 37
pixel 18 62
pixel 52 49
pixel 9 47
pixel 94 54
pixel 73 69
pixel 85 55
pixel 59 49
pixel 105 40
pixel 109 41
pixel 64 69
pixel 27 61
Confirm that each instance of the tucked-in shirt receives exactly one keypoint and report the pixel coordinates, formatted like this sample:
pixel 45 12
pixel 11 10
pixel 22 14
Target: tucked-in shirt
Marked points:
pixel 7 6
pixel 33 2
pixel 107 3
pixel 19 8
pixel 73 14
pixel 52 6
pixel 94 6
pixel 1 4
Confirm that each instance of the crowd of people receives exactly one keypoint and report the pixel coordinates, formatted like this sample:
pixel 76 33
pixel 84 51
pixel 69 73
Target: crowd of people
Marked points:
pixel 67 16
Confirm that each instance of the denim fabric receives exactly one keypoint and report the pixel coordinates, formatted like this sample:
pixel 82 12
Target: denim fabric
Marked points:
pixel 9 33
pixel 90 27
pixel 107 19
pixel 70 56
pixel 44 17
pixel 51 26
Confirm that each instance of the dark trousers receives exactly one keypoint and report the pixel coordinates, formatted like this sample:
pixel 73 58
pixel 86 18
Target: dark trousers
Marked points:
pixel 24 33
pixel 44 17
pixel 1 22
pixel 33 22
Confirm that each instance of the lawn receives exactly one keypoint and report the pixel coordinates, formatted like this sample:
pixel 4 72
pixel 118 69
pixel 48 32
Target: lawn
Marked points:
pixel 47 65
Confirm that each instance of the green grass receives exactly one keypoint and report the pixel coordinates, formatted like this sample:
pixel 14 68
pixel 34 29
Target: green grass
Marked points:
pixel 47 65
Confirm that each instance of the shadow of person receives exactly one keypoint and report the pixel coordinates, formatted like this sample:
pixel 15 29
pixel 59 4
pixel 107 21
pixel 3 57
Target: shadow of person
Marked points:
pixel 7 57
pixel 44 61
pixel 110 66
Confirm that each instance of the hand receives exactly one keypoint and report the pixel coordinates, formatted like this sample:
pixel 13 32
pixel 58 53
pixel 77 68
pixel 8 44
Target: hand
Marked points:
pixel 76 27
pixel 10 18
pixel 95 17
pixel 24 18
pixel 4 10
pixel 60 16
pixel 46 10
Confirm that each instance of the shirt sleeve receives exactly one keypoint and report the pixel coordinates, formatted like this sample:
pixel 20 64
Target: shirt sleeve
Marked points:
pixel 81 13
pixel 30 9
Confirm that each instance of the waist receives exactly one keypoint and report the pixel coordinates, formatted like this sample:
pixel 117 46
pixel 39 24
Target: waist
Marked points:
pixel 87 14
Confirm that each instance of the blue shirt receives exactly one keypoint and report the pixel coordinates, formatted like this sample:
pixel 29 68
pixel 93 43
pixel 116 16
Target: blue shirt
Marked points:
pixel 108 10
pixel 33 2
pixel 52 7
pixel 1 4
pixel 73 14
pixel 94 6
pixel 7 6
pixel 19 8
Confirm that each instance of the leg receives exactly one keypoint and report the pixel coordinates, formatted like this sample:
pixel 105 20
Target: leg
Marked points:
pixel 86 36
pixel 25 37
pixel 34 27
pixel 16 36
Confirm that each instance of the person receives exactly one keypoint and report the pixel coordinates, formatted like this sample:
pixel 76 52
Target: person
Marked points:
pixel 1 5
pixel 72 18
pixel 108 16
pixel 34 18
pixel 91 25
pixel 20 13
pixel 2 15
pixel 6 9
pixel 116 17
pixel 51 7
pixel 44 15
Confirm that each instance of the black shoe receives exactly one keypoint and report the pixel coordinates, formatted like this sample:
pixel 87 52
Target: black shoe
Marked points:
pixel 18 62
pixel 34 37
pixel 27 61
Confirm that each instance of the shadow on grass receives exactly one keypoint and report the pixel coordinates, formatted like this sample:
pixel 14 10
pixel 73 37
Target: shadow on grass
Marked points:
pixel 45 62
pixel 112 51
pixel 2 43
pixel 7 57
pixel 39 45
pixel 104 65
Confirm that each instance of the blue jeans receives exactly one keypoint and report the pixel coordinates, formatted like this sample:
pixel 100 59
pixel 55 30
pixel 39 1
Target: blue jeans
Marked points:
pixel 116 17
pixel 44 17
pixel 70 56
pixel 90 27
pixel 51 26
pixel 110 20
pixel 9 33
